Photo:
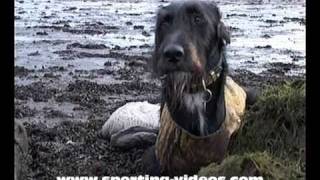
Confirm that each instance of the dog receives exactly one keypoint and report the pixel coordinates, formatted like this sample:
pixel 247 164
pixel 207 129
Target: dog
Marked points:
pixel 201 106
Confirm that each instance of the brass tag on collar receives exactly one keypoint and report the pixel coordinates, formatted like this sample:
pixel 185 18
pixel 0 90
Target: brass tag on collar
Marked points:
pixel 214 75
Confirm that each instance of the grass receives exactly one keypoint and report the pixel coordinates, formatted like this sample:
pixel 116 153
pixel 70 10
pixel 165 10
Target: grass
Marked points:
pixel 252 164
pixel 272 136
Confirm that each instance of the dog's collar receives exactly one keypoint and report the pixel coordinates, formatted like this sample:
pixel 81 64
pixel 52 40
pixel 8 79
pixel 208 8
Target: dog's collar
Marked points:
pixel 211 78
pixel 214 75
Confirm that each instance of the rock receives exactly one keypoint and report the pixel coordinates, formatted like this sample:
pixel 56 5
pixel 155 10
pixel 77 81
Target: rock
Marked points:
pixel 138 27
pixel 241 15
pixel 271 21
pixel 70 143
pixel 42 33
pixel 266 36
pixel 22 71
pixel 264 47
pixel 20 151
pixel 145 33
pixel 136 136
pixel 136 63
pixel 145 46
pixel 132 114
pixel 86 46
pixel 108 63
pixel 70 9
pixel 34 53
pixel 129 23
pixel 116 47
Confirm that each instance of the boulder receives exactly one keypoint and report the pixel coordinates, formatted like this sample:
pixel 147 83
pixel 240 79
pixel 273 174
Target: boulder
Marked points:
pixel 20 151
pixel 132 114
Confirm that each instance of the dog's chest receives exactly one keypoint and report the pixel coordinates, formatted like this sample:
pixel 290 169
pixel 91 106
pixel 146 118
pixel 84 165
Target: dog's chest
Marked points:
pixel 180 153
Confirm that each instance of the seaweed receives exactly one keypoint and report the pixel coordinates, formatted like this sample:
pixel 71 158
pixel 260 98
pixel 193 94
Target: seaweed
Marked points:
pixel 272 136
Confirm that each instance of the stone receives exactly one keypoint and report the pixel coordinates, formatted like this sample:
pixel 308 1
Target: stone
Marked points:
pixel 20 151
pixel 132 114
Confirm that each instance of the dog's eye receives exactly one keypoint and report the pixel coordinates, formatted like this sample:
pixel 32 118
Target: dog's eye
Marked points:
pixel 167 19
pixel 198 19
pixel 165 22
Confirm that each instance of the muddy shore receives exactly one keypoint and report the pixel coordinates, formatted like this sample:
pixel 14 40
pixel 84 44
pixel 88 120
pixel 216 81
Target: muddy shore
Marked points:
pixel 75 63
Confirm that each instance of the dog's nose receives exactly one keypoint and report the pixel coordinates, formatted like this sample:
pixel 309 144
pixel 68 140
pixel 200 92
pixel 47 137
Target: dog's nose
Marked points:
pixel 173 53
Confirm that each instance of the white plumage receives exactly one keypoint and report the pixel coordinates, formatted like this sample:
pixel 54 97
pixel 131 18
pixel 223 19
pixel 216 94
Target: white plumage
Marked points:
pixel 132 114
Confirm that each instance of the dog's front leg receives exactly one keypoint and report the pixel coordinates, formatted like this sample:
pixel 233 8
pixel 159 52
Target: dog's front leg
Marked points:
pixel 150 162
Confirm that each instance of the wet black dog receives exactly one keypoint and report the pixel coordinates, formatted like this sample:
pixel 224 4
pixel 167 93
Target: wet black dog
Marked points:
pixel 189 57
pixel 190 45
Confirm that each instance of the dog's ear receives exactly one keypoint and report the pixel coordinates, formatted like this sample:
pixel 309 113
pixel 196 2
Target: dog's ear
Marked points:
pixel 223 33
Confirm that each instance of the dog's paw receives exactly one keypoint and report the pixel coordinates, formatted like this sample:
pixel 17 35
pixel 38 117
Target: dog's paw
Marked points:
pixel 150 162
pixel 136 136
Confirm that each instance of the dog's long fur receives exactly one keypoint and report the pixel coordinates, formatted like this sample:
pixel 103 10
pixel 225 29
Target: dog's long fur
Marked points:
pixel 190 42
pixel 198 29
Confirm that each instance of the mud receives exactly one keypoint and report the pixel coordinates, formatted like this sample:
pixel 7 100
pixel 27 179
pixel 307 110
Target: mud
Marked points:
pixel 86 46
pixel 21 71
pixel 76 62
pixel 23 111
pixel 37 91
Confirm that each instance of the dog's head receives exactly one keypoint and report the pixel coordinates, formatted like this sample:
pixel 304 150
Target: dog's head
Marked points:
pixel 189 39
